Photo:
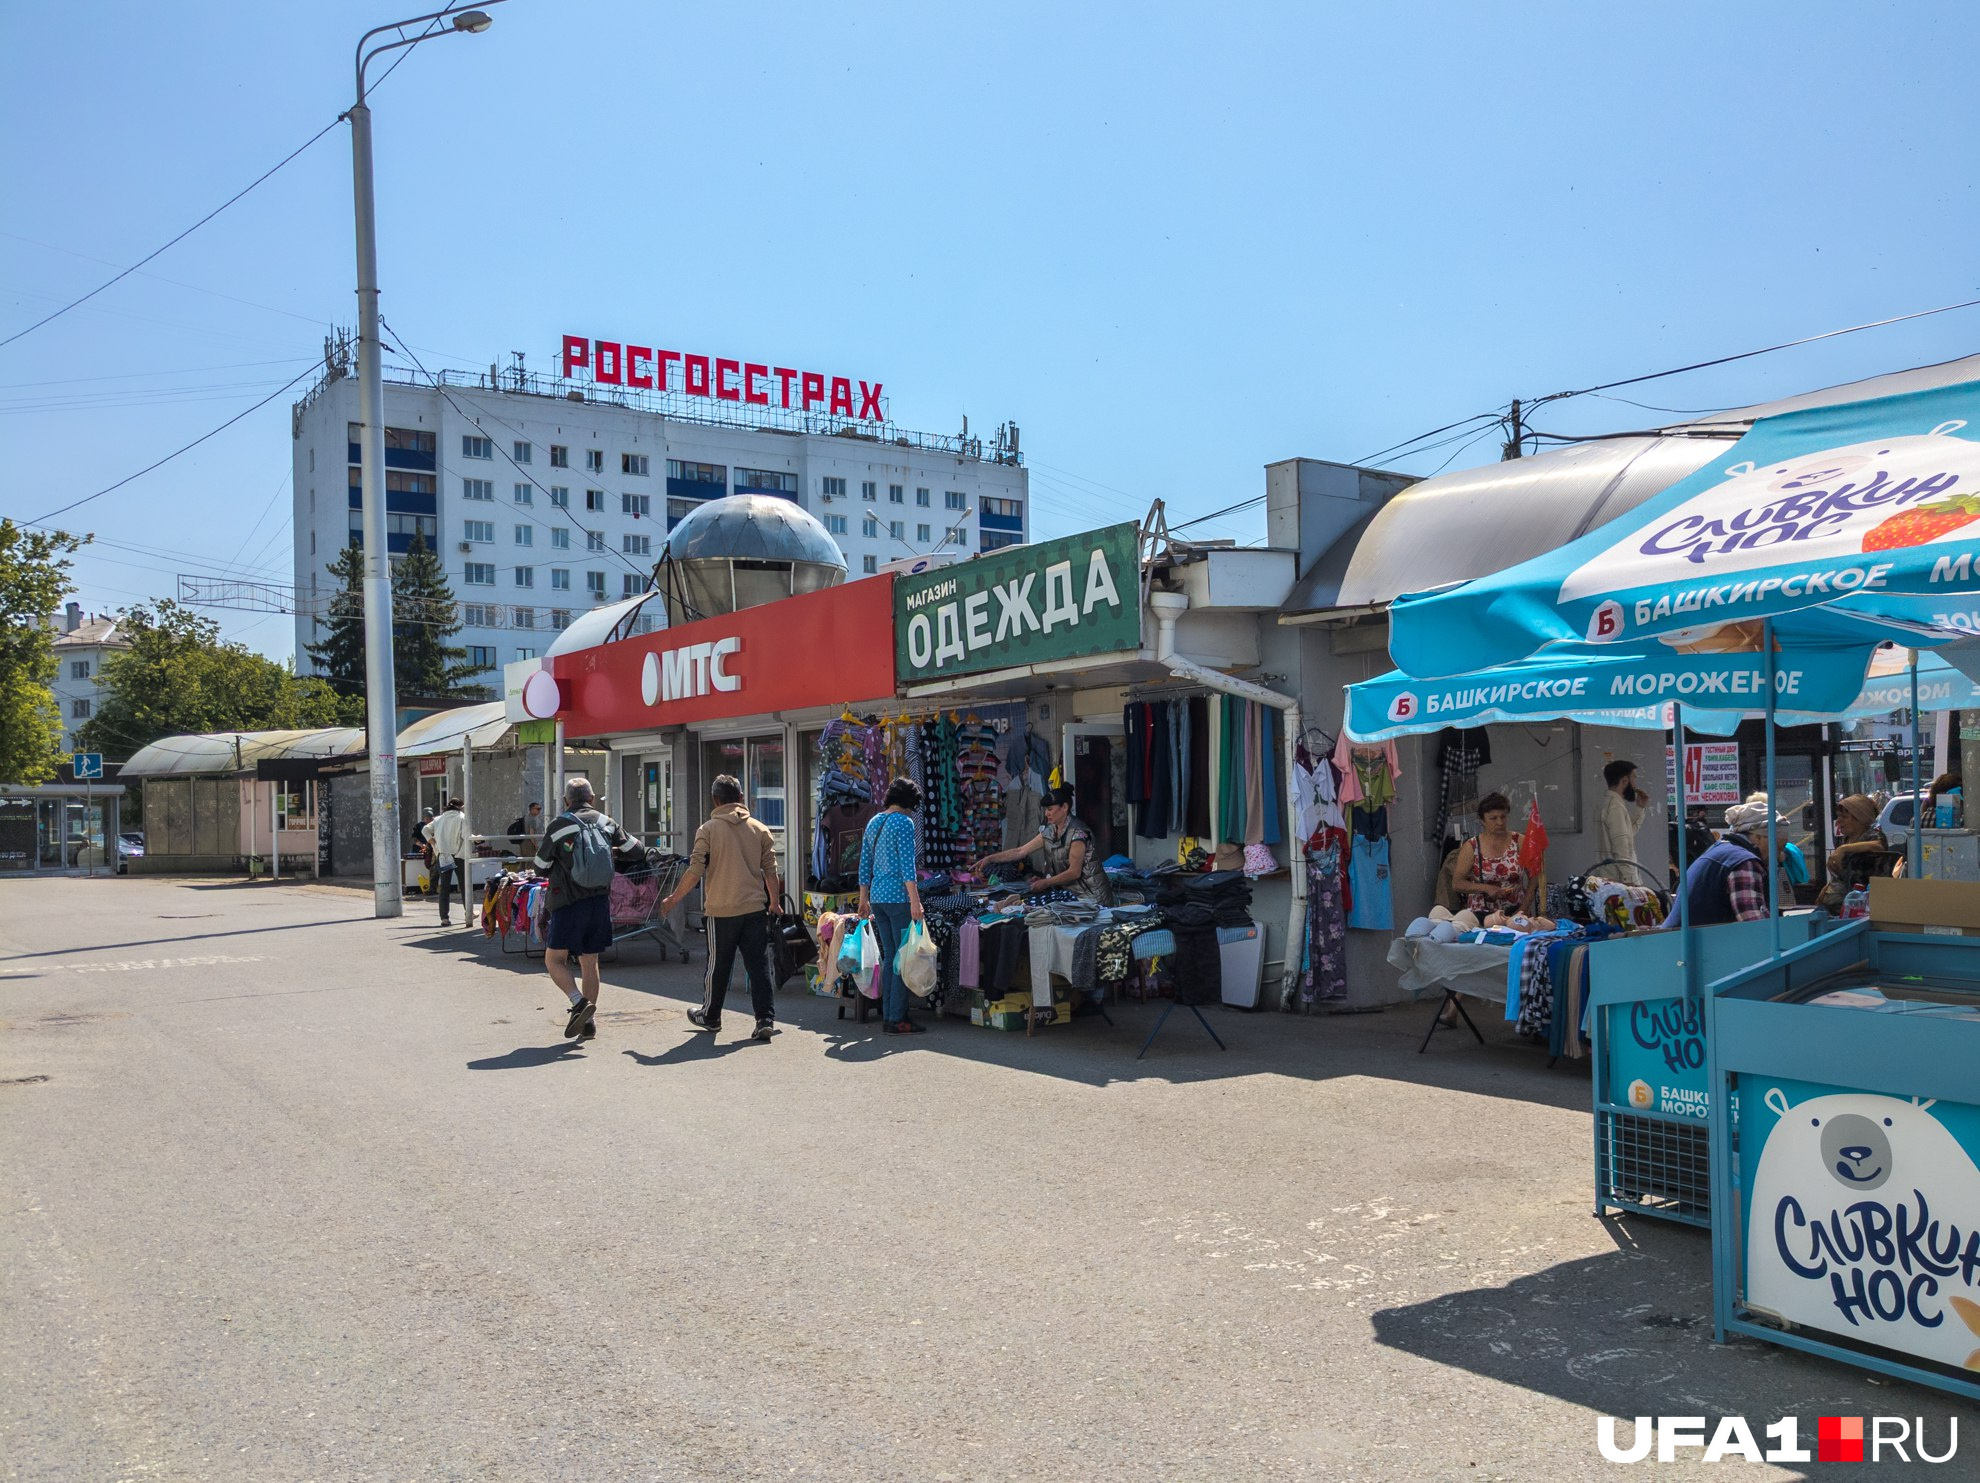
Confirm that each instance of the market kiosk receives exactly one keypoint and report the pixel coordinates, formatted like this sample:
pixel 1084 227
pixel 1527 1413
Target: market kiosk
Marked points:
pixel 1820 1058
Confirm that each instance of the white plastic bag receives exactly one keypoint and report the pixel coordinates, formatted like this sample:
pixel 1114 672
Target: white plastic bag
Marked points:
pixel 916 961
pixel 869 948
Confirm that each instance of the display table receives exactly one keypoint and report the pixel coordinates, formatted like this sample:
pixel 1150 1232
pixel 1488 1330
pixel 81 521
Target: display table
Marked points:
pixel 1474 968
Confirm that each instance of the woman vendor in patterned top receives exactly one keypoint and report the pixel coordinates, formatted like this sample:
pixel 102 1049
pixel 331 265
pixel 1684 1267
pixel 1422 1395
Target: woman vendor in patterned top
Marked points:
pixel 1486 871
pixel 1072 859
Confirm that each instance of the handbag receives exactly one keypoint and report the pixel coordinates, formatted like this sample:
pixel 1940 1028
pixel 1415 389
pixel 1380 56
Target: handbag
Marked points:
pixel 788 930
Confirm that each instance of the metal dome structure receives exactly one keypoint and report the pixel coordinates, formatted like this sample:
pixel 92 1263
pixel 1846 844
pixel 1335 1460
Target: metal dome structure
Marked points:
pixel 743 551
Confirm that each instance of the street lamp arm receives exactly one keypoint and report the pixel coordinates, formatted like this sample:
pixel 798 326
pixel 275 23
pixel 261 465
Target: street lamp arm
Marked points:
pixel 364 57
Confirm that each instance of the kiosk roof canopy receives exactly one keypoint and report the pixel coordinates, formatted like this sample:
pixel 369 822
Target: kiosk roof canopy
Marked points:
pixel 227 753
pixel 1460 526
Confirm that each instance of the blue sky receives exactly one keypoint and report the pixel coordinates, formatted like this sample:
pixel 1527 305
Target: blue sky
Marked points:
pixel 1173 243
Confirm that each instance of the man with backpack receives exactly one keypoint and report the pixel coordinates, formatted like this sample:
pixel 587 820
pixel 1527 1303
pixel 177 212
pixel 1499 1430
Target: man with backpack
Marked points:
pixel 576 855
pixel 738 857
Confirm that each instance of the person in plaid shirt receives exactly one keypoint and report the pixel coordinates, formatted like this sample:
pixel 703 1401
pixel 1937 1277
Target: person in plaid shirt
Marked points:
pixel 1728 882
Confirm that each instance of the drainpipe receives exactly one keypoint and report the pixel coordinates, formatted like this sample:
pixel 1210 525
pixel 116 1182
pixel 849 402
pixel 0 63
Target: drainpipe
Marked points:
pixel 1169 606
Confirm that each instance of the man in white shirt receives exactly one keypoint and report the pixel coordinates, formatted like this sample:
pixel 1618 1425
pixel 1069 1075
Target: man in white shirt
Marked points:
pixel 1621 817
pixel 448 834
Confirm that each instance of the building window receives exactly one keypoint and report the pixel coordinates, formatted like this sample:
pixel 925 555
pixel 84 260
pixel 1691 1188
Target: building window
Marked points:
pixel 481 656
pixel 472 447
pixel 312 537
pixel 560 618
pixel 594 540
pixel 78 669
pixel 766 481
pixel 78 710
pixel 634 464
pixel 475 615
pixel 560 456
pixel 836 524
pixel 897 529
pixel 955 533
pixel 996 540
pixel 477 530
pixel 631 584
pixel 869 491
pixel 525 494
pixel 594 460
pixel 522 654
pixel 594 583
pixel 639 506
pixel 698 473
pixel 636 545
pixel 921 498
pixel 525 618
pixel 832 488
pixel 523 452
pixel 525 576
pixel 560 496
pixel 426 527
pixel 896 495
pixel 479 574
pixel 478 489
pixel 921 534
pixel 560 539
pixel 560 579
pixel 956 499
pixel 870 564
pixel 991 505
pixel 525 535
pixel 869 527
pixel 594 499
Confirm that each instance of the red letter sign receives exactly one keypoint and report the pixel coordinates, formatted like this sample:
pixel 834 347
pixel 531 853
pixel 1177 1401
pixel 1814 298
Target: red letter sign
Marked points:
pixel 577 353
pixel 697 374
pixel 660 368
pixel 869 402
pixel 751 374
pixel 785 376
pixel 724 369
pixel 814 388
pixel 638 382
pixel 842 397
pixel 606 364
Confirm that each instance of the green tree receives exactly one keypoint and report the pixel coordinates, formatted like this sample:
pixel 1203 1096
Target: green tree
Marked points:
pixel 177 677
pixel 340 652
pixel 423 619
pixel 33 581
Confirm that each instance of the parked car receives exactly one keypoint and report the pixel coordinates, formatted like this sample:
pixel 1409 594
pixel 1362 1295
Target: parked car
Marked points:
pixel 1895 820
pixel 130 846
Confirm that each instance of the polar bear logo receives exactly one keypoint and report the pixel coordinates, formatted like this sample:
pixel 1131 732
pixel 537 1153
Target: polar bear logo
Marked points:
pixel 1864 1220
pixel 1855 501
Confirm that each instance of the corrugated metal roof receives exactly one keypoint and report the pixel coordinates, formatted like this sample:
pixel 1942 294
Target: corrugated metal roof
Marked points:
pixel 227 753
pixel 481 726
pixel 1472 523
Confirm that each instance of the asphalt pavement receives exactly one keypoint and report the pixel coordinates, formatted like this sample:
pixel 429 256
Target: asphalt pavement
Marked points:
pixel 293 1193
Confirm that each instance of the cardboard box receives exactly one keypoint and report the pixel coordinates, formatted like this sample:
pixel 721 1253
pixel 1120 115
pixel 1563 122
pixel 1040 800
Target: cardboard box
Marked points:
pixel 1947 908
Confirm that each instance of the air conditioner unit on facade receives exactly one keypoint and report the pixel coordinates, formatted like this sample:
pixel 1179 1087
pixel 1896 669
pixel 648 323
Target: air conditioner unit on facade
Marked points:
pixel 467 545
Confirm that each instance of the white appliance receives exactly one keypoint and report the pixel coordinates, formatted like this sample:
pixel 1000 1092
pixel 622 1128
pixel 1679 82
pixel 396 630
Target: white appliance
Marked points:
pixel 1242 953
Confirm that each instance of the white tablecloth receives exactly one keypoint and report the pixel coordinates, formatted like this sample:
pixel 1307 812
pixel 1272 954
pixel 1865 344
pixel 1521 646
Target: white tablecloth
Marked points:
pixel 1474 968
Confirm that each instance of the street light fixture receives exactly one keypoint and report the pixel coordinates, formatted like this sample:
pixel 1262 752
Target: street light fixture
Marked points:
pixel 947 536
pixel 380 700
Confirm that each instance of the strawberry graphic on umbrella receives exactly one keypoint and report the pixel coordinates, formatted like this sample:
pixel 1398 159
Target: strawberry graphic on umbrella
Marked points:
pixel 1926 523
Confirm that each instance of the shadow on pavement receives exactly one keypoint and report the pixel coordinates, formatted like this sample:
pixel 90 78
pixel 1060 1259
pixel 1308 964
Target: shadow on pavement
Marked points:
pixel 525 1056
pixel 1629 1333
pixel 700 1046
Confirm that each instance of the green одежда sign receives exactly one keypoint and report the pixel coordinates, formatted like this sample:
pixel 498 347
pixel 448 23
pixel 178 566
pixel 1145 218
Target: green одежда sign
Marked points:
pixel 1062 599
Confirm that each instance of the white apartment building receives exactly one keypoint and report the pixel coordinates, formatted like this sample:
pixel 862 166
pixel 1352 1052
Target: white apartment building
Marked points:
pixel 82 642
pixel 544 498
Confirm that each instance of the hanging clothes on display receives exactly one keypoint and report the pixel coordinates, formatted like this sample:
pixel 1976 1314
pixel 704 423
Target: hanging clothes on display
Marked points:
pixel 1328 862
pixel 1459 756
pixel 1196 744
pixel 1317 804
pixel 1368 871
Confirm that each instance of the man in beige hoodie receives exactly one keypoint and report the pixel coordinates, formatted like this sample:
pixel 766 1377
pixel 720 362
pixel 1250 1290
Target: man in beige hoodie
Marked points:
pixel 735 860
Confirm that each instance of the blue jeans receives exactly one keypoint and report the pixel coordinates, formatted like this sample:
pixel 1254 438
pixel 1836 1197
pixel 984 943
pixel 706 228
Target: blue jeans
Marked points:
pixel 890 920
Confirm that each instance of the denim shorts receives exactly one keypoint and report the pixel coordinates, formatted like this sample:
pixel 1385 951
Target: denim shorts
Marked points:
pixel 582 927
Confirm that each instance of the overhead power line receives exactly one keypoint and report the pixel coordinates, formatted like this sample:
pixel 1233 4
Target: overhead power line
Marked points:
pixel 307 371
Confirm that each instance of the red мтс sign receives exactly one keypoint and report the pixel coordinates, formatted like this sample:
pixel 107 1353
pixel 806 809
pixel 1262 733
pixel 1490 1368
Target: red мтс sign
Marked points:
pixel 749 383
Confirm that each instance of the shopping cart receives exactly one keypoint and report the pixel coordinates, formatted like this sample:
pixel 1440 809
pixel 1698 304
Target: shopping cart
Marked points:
pixel 636 898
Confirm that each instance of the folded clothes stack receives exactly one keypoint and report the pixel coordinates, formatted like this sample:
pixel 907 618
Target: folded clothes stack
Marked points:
pixel 1225 894
pixel 842 787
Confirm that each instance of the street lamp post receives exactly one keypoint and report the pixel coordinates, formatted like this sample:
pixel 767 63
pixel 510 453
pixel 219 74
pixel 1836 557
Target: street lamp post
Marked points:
pixel 380 700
